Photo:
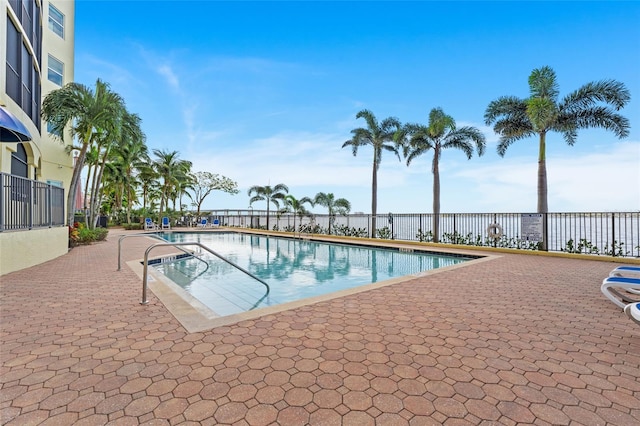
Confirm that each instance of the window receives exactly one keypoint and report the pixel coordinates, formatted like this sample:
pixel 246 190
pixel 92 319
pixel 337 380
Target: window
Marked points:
pixel 56 183
pixel 55 70
pixel 56 21
pixel 13 63
pixel 23 76
pixel 51 131
pixel 19 162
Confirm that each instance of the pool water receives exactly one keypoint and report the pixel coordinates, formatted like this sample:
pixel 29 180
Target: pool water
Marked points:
pixel 294 269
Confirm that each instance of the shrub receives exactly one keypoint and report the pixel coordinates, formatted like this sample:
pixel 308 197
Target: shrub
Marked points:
pixel 132 226
pixel 384 233
pixel 81 235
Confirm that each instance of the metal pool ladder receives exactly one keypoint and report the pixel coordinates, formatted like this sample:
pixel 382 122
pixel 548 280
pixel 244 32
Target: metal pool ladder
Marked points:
pixel 157 237
pixel 178 245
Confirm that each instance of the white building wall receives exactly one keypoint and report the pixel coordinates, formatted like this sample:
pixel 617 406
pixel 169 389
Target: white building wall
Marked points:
pixel 48 160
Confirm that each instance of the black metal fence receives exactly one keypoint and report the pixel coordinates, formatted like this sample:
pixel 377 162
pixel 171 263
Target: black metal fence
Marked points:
pixel 28 204
pixel 607 233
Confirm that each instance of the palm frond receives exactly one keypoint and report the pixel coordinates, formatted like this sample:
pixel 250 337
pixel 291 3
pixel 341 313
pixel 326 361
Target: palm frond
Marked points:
pixel 611 92
pixel 505 106
pixel 543 84
pixel 598 116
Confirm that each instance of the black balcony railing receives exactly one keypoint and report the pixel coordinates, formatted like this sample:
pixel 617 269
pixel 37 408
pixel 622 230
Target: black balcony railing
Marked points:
pixel 28 204
pixel 609 233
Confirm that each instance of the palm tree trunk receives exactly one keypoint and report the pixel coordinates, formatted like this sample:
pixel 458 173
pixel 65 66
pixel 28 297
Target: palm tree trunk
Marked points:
pixel 129 202
pixel 75 178
pixel 86 200
pixel 144 198
pixel 542 176
pixel 95 196
pixel 436 195
pixel 163 197
pixel 268 202
pixel 374 196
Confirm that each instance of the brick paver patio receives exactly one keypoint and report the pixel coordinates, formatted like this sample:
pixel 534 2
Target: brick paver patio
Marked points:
pixel 521 339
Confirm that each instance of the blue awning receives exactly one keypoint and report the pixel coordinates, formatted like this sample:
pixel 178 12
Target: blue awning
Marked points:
pixel 12 129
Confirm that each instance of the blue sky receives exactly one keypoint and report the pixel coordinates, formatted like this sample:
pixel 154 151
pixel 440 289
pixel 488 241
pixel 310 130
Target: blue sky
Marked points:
pixel 267 93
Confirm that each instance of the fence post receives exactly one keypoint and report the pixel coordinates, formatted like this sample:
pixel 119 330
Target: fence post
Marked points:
pixel 613 234
pixel 30 204
pixel 455 230
pixel 495 240
pixel 49 204
pixel 545 232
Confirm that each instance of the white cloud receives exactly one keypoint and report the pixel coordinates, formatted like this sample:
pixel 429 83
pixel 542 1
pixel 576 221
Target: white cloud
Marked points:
pixel 309 163
pixel 109 72
pixel 300 159
pixel 597 181
pixel 170 77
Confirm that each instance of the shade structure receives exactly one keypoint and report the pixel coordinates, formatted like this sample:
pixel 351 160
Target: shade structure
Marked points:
pixel 12 129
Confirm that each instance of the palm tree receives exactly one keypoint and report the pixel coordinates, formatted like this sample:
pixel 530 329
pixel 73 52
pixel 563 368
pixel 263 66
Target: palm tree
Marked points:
pixel 128 160
pixel 380 137
pixel 172 171
pixel 335 206
pixel 542 112
pixel 297 207
pixel 86 111
pixel 268 194
pixel 91 161
pixel 439 134
pixel 148 178
pixel 127 133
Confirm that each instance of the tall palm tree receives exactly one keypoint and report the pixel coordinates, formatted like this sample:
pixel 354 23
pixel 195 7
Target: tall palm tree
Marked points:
pixel 148 178
pixel 297 207
pixel 126 133
pixel 380 137
pixel 85 111
pixel 268 194
pixel 171 170
pixel 127 159
pixel 514 118
pixel 112 187
pixel 439 134
pixel 185 184
pixel 334 206
pixel 91 161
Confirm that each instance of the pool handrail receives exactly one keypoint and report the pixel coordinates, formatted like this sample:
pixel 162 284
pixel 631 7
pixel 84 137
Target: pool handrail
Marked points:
pixel 157 237
pixel 187 243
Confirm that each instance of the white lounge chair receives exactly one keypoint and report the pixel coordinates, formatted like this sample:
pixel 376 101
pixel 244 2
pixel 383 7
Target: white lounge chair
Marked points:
pixel 203 223
pixel 633 311
pixel 148 224
pixel 215 223
pixel 165 223
pixel 622 271
pixel 621 290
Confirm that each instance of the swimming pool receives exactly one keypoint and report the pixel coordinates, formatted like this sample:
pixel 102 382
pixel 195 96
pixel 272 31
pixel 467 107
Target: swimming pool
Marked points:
pixel 294 269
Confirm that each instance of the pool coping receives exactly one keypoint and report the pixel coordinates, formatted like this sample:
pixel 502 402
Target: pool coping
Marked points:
pixel 195 316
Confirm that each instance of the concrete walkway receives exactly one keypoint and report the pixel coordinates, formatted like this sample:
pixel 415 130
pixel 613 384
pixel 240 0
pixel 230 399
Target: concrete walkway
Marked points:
pixel 519 339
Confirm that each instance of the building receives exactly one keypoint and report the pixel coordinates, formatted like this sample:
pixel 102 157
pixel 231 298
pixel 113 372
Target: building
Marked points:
pixel 37 56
